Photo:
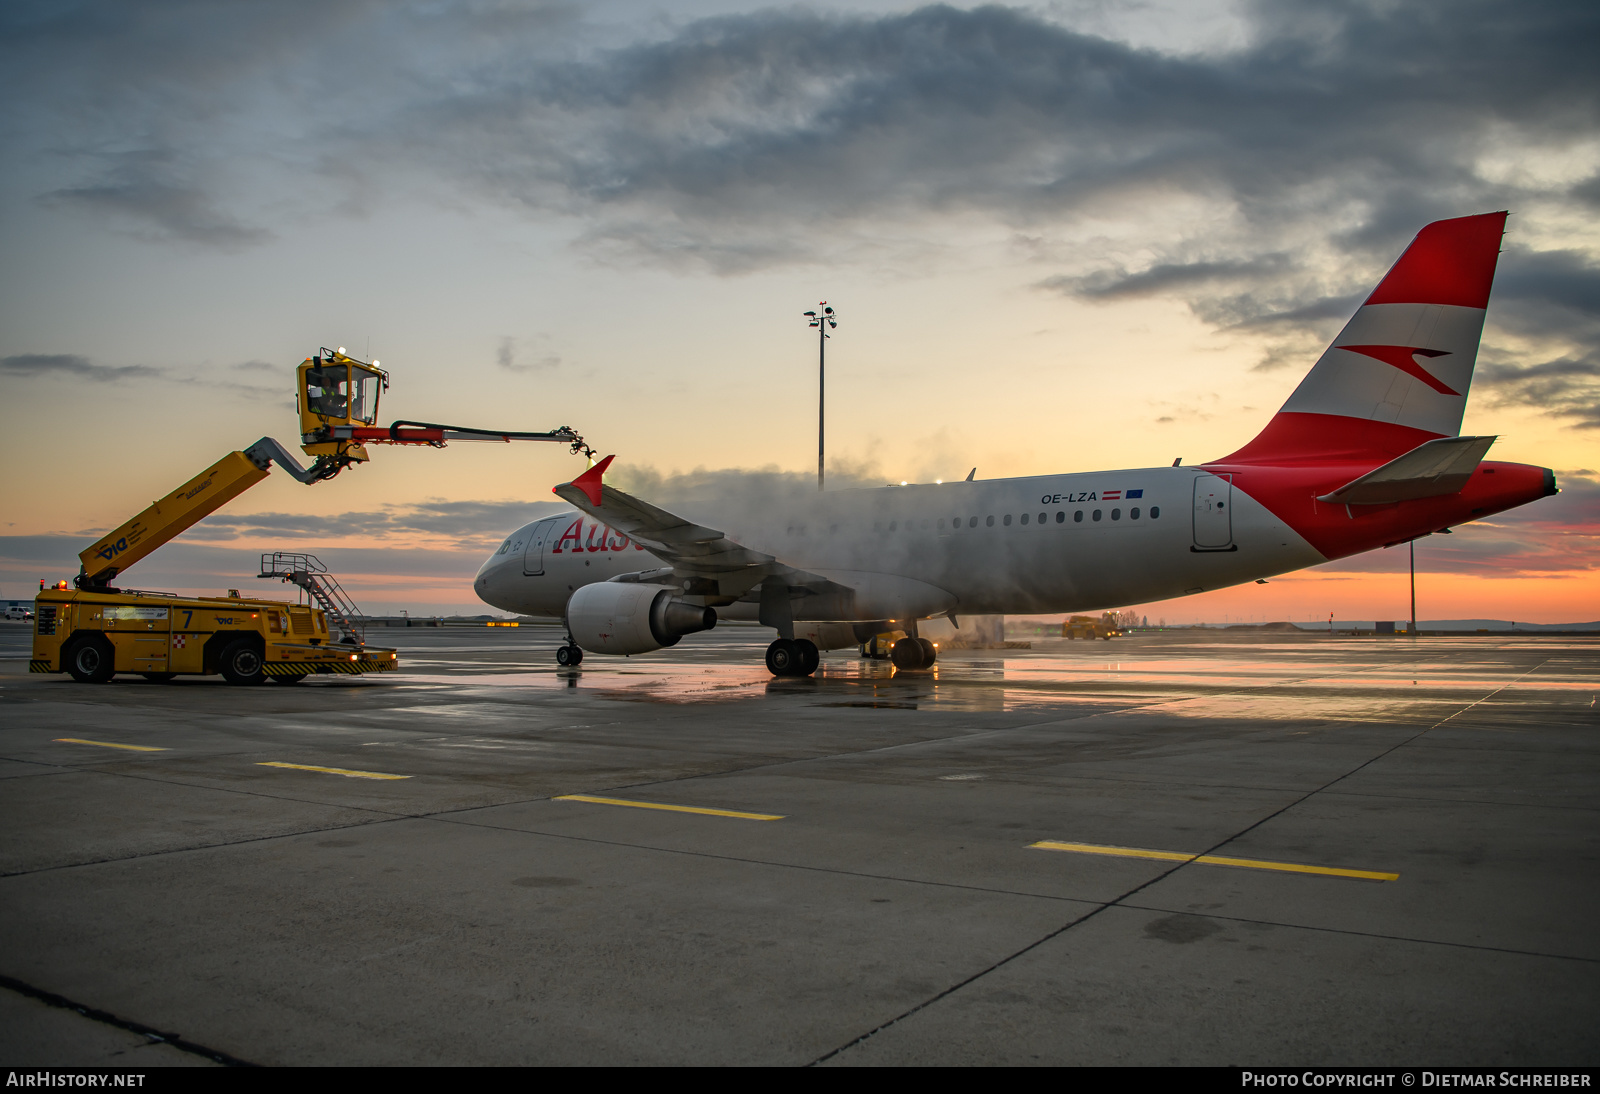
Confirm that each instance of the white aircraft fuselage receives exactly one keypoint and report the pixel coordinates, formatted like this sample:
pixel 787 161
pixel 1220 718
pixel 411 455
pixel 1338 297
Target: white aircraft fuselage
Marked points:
pixel 1051 543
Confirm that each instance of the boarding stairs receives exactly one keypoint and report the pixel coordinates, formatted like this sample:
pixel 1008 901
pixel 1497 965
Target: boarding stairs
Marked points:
pixel 308 572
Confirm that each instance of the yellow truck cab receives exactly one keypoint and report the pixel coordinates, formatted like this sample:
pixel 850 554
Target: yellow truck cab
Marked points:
pixel 94 635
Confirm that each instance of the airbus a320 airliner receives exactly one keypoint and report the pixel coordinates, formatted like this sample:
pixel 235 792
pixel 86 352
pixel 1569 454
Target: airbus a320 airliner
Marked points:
pixel 1365 454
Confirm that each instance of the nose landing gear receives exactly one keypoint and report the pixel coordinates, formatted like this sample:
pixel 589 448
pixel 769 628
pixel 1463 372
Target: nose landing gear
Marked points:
pixel 793 657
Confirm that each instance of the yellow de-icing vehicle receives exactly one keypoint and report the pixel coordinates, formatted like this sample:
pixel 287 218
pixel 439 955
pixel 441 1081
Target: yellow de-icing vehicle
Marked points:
pixel 1087 626
pixel 94 630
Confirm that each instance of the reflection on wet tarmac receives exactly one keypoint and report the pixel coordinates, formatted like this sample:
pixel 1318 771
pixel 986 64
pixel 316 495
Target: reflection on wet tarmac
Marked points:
pixel 1194 675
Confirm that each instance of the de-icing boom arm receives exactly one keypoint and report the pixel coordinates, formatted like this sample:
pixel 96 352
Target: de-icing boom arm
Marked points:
pixel 338 401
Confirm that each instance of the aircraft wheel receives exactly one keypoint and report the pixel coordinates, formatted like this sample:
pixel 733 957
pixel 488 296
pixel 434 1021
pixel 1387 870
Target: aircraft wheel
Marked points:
pixel 810 656
pixel 930 653
pixel 783 658
pixel 569 656
pixel 907 654
pixel 91 660
pixel 159 677
pixel 241 663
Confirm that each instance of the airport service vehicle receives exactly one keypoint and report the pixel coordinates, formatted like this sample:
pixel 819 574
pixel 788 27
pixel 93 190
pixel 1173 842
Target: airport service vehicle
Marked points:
pixel 1364 454
pixel 1087 626
pixel 94 630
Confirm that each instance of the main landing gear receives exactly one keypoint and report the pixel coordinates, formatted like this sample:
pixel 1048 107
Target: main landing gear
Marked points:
pixel 793 657
pixel 913 653
pixel 570 655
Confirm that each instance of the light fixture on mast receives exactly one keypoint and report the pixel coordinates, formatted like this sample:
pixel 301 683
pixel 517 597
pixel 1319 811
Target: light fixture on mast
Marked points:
pixel 824 321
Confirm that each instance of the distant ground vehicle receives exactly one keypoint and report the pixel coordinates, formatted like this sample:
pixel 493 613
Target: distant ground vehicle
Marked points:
pixel 18 613
pixel 1087 626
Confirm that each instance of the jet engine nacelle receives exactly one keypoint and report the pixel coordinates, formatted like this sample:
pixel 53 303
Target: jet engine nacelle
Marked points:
pixel 625 617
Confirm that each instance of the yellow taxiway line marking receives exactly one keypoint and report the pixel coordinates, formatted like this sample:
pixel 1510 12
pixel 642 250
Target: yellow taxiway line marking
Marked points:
pixel 110 744
pixel 668 808
pixel 1211 860
pixel 346 772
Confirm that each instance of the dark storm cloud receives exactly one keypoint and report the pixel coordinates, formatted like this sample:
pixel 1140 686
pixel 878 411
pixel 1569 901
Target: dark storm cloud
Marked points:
pixel 723 139
pixel 167 211
pixel 738 130
pixel 784 135
pixel 1118 284
pixel 471 522
pixel 1563 388
pixel 71 365
pixel 512 358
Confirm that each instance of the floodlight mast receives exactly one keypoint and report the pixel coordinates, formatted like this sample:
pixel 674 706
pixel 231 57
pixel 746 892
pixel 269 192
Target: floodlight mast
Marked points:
pixel 824 321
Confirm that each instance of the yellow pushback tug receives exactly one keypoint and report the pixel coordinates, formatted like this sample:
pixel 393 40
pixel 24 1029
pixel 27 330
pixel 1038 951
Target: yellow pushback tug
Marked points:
pixel 95 631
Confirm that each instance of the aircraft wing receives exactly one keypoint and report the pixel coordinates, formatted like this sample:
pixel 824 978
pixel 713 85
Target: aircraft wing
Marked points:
pixel 704 561
pixel 1432 469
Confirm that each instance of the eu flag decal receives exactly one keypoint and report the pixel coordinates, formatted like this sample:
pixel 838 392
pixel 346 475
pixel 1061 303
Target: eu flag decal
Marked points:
pixel 1131 494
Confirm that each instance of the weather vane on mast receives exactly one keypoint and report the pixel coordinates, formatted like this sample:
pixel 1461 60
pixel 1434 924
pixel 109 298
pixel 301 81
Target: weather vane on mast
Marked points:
pixel 824 321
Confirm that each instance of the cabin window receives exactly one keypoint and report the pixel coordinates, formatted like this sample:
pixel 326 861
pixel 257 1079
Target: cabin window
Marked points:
pixel 1024 518
pixel 1060 517
pixel 1007 520
pixel 941 524
pixel 1134 512
pixel 1155 511
pixel 1042 516
pixel 1116 514
pixel 972 523
pixel 1077 517
pixel 988 522
pixel 1095 515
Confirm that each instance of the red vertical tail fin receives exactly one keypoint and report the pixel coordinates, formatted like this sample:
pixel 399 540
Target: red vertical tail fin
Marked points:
pixel 1399 372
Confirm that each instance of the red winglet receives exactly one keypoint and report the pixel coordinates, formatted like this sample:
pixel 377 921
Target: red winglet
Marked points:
pixel 589 481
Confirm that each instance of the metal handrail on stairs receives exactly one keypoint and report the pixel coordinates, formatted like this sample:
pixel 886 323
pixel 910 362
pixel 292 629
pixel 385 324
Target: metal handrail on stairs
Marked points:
pixel 308 573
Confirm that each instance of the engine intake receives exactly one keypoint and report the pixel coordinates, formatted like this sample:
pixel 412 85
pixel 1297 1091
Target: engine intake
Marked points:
pixel 622 617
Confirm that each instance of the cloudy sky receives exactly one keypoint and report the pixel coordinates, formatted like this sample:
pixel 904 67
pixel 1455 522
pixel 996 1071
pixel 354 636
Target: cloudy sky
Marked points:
pixel 1060 236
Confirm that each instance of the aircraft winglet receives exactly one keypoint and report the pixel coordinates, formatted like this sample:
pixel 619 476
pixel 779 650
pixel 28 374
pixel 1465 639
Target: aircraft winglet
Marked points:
pixel 589 481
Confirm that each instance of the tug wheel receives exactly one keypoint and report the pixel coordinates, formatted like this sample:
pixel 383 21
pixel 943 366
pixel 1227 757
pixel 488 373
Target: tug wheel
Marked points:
pixel 91 660
pixel 241 662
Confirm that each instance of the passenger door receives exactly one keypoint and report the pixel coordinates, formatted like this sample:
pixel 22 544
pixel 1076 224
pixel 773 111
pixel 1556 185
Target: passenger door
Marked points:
pixel 1213 512
pixel 533 554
